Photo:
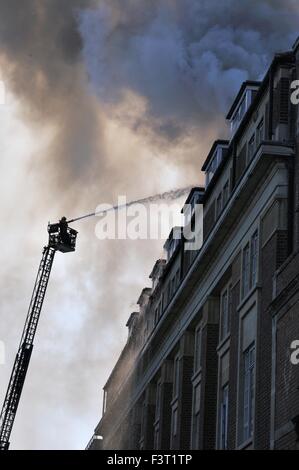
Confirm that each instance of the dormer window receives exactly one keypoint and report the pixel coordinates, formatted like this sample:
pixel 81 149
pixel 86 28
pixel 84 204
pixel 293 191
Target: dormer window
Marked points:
pixel 193 200
pixel 241 104
pixel 213 165
pixel 172 242
pixel 214 159
pixel 240 112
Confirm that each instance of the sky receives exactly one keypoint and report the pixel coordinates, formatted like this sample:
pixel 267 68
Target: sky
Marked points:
pixel 104 98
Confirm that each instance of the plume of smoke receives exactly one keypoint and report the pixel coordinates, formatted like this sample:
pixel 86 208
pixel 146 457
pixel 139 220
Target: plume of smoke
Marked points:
pixel 40 60
pixel 186 59
pixel 167 70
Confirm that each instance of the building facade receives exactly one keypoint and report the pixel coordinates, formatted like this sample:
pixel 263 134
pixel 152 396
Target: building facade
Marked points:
pixel 207 364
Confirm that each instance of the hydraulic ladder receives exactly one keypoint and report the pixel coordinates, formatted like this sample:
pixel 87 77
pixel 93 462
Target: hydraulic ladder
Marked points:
pixel 21 363
pixel 61 238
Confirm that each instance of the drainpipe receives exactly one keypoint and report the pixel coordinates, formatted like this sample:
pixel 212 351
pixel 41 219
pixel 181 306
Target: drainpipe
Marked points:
pixel 273 384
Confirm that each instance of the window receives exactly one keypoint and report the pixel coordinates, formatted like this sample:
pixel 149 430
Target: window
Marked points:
pixel 158 400
pixel 248 392
pixel 238 114
pixel 251 148
pixel 105 401
pixel 176 378
pixel 196 416
pixel 260 133
pixel 219 205
pixel 197 352
pixel 174 422
pixel 225 312
pixel 225 193
pixel 214 163
pixel 211 169
pixel 242 108
pixel 253 259
pixel 192 206
pixel 250 264
pixel 157 437
pixel 223 417
pixel 245 271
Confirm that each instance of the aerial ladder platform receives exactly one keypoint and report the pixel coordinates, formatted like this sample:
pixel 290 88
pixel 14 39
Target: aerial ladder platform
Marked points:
pixel 61 238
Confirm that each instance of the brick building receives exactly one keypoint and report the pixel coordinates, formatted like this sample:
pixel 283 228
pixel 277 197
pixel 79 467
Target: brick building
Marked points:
pixel 207 362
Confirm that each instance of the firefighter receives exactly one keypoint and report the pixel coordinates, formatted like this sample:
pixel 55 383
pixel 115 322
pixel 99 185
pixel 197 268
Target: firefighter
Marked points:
pixel 63 226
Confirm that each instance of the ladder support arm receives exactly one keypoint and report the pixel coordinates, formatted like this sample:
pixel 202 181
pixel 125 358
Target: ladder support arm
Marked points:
pixel 23 356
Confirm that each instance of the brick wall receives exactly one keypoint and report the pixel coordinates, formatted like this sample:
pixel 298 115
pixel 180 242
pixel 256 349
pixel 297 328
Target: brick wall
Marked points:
pixel 287 374
pixel 268 262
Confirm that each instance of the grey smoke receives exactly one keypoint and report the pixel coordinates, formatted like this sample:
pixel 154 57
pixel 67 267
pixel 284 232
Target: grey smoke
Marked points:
pixel 187 59
pixel 40 59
